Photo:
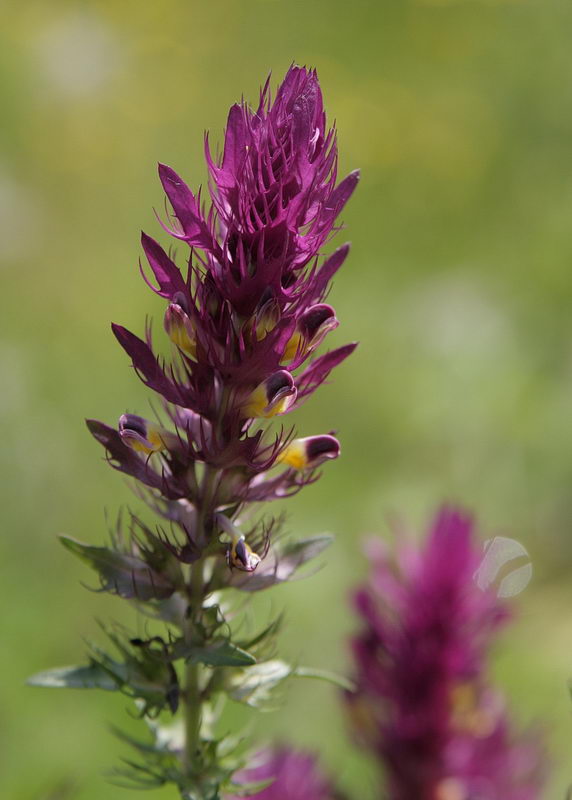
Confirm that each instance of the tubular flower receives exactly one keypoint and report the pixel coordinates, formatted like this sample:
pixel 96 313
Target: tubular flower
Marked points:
pixel 245 316
pixel 145 436
pixel 271 397
pixel 180 329
pixel 240 554
pixel 423 704
pixel 310 452
pixel 294 775
pixel 311 329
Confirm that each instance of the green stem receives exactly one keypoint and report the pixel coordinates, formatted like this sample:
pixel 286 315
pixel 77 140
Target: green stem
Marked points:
pixel 195 593
pixel 193 711
pixel 196 588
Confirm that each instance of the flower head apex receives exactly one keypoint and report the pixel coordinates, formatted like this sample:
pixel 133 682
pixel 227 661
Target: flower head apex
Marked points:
pixel 276 182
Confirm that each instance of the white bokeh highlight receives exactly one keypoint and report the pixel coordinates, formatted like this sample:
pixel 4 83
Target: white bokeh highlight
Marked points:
pixel 78 54
pixel 502 568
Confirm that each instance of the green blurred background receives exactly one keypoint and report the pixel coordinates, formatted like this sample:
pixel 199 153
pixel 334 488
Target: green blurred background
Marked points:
pixel 458 287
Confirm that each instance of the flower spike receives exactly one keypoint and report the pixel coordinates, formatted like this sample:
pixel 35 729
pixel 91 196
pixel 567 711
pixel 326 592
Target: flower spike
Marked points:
pixel 423 703
pixel 245 312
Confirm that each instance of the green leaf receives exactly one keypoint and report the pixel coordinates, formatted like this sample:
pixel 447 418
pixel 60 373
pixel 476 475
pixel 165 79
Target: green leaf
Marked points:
pixel 86 677
pixel 137 744
pixel 222 654
pixel 218 653
pixel 269 632
pixel 324 675
pixel 297 552
pixel 122 573
pixel 248 789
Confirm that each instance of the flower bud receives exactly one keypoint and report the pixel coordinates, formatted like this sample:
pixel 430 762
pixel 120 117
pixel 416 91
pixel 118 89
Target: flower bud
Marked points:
pixel 309 452
pixel 272 396
pixel 144 436
pixel 180 329
pixel 311 328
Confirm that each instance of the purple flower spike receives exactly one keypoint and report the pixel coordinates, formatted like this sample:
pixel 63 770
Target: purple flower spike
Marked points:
pixel 423 704
pixel 246 313
pixel 295 775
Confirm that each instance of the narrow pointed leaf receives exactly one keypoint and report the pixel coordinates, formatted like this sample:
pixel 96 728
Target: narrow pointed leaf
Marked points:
pixel 324 675
pixel 121 573
pixel 82 677
pixel 218 653
pixel 300 551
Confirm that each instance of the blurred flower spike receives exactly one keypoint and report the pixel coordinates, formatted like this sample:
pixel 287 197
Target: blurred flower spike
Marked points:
pixel 423 705
pixel 287 774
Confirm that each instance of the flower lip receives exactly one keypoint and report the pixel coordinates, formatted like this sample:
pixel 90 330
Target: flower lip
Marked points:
pixel 272 396
pixel 279 384
pixel 311 328
pixel 144 436
pixel 239 554
pixel 242 556
pixel 322 447
pixel 315 318
pixel 131 423
pixel 310 452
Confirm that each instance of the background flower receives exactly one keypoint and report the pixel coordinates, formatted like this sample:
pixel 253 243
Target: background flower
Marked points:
pixel 424 704
pixel 295 773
